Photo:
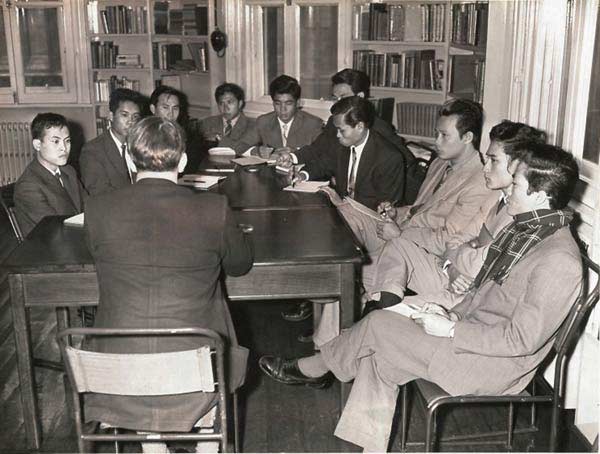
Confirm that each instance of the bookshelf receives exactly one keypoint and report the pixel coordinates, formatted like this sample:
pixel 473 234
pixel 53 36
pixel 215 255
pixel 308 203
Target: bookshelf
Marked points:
pixel 140 44
pixel 421 54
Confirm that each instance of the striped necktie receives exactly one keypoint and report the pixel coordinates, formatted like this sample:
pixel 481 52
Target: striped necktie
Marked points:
pixel 228 128
pixel 59 178
pixel 352 176
pixel 284 134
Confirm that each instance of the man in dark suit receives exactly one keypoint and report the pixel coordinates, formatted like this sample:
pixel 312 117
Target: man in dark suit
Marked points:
pixel 48 186
pixel 105 163
pixel 230 128
pixel 287 126
pixel 158 265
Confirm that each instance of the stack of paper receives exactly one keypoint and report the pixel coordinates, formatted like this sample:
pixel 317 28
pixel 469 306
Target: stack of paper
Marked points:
pixel 199 181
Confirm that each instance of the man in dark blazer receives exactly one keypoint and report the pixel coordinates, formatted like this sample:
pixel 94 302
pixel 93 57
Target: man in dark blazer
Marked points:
pixel 158 265
pixel 48 186
pixel 287 126
pixel 105 163
pixel 230 128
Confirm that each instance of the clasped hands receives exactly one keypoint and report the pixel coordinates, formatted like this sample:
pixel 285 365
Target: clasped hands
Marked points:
pixel 387 229
pixel 435 320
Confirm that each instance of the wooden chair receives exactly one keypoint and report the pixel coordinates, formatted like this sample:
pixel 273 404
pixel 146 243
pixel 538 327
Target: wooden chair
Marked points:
pixel 435 397
pixel 173 373
pixel 8 205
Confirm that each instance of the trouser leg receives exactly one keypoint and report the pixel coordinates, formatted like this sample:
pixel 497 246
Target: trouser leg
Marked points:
pixel 329 324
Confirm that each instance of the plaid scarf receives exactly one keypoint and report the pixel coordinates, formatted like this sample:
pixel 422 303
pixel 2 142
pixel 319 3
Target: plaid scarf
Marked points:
pixel 516 239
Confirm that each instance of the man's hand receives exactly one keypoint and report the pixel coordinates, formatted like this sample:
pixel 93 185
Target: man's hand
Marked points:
pixel 460 284
pixel 434 324
pixel 387 210
pixel 283 158
pixel 387 230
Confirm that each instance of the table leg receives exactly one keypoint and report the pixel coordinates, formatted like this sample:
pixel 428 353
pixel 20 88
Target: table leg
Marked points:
pixel 348 314
pixel 24 354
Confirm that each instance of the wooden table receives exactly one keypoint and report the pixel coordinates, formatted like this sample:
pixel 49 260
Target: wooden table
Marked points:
pixel 299 253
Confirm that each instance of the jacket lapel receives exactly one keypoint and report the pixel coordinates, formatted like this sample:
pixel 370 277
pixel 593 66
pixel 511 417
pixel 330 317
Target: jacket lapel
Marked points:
pixel 71 188
pixel 114 154
pixel 239 127
pixel 367 160
pixel 343 163
pixel 52 184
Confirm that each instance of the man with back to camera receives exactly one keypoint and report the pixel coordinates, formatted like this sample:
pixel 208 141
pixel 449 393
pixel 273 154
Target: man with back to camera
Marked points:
pixel 48 186
pixel 158 265
pixel 105 163
pixel 231 127
pixel 490 343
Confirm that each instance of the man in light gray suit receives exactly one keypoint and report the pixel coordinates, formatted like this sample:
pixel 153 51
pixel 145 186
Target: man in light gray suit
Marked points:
pixel 490 343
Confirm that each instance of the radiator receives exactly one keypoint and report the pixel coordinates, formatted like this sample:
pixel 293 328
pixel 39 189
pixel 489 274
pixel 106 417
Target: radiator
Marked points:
pixel 16 150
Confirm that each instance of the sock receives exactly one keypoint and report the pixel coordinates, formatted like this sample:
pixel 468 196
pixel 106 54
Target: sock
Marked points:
pixel 388 299
pixel 313 366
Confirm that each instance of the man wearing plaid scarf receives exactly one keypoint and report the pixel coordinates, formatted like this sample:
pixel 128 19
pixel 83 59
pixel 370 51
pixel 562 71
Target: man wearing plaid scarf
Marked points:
pixel 490 343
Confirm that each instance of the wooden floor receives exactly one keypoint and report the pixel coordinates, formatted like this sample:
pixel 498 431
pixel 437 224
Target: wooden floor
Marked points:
pixel 275 417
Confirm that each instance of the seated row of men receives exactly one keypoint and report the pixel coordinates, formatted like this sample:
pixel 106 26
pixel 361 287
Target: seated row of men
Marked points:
pixel 486 247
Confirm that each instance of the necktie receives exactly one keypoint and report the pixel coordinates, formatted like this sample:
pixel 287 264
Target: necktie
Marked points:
pixel 124 157
pixel 444 178
pixel 228 128
pixel 284 134
pixel 352 176
pixel 58 177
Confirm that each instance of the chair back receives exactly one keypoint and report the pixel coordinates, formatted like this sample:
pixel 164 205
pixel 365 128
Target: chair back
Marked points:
pixel 8 205
pixel 127 374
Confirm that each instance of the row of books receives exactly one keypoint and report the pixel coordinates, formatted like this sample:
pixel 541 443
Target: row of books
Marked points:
pixel 192 19
pixel 399 22
pixel 417 69
pixel 104 87
pixel 417 119
pixel 102 124
pixel 104 54
pixel 170 56
pixel 466 75
pixel 469 23
pixel 118 19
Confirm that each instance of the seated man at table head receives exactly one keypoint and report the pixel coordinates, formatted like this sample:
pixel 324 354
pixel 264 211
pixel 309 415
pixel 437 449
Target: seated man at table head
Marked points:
pixel 158 265
pixel 288 125
pixel 490 343
pixel 231 127
pixel 105 162
pixel 48 186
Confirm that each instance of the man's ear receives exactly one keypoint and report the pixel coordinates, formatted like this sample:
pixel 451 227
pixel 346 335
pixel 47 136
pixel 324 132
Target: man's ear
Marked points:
pixel 512 165
pixel 182 162
pixel 467 137
pixel 152 109
pixel 37 144
pixel 541 197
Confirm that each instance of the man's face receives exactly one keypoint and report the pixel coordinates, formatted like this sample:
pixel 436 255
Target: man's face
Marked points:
pixel 229 106
pixel 285 106
pixel 126 115
pixel 167 107
pixel 347 135
pixel 496 170
pixel 520 200
pixel 449 144
pixel 54 147
pixel 340 91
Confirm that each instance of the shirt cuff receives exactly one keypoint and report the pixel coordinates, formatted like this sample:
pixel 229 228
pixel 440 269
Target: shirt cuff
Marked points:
pixel 304 172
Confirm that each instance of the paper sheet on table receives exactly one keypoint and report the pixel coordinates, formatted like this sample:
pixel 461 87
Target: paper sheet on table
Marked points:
pixel 403 309
pixel 306 186
pixel 221 151
pixel 75 221
pixel 199 181
pixel 364 209
pixel 249 161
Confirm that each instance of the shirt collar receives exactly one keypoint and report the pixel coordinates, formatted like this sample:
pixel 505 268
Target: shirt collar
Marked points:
pixel 359 148
pixel 233 121
pixel 117 141
pixel 289 123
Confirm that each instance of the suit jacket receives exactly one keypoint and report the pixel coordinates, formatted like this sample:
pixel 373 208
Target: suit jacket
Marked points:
pixel 158 265
pixel 305 128
pixel 380 173
pixel 445 213
pixel 101 165
pixel 238 137
pixel 38 194
pixel 506 330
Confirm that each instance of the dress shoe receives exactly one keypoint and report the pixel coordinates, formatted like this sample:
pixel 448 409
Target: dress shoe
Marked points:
pixel 286 371
pixel 299 312
pixel 306 337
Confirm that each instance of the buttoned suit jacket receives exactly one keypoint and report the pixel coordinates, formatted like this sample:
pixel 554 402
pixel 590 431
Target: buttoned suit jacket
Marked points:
pixel 380 173
pixel 101 165
pixel 305 128
pixel 159 250
pixel 237 139
pixel 445 213
pixel 38 194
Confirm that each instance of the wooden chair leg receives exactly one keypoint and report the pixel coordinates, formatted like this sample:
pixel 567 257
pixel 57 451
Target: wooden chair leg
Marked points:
pixel 511 423
pixel 403 416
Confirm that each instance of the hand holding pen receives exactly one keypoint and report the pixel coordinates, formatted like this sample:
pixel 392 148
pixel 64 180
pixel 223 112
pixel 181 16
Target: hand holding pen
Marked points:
pixel 387 210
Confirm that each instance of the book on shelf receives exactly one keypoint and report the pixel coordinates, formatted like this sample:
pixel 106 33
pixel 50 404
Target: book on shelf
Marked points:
pixel 175 22
pixel 466 76
pixel 116 19
pixel 417 119
pixel 469 23
pixel 128 61
pixel 199 52
pixel 102 124
pixel 161 18
pixel 399 22
pixel 417 69
pixel 166 55
pixel 104 54
pixel 191 19
pixel 104 87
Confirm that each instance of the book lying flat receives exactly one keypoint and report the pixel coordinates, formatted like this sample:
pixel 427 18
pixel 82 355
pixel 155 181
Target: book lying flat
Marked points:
pixel 75 221
pixel 306 186
pixel 199 181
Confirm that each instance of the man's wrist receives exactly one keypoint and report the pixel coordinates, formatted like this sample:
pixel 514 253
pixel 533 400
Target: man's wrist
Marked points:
pixel 451 332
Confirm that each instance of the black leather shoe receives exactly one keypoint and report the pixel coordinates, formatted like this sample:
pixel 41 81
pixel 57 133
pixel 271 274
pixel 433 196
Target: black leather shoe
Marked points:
pixel 286 371
pixel 299 312
pixel 370 306
pixel 306 337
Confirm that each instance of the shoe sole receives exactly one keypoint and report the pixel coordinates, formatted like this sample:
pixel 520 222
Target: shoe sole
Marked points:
pixel 323 384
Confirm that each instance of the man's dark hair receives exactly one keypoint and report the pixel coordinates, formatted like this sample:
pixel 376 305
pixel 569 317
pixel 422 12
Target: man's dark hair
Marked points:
pixel 234 89
pixel 156 144
pixel 44 121
pixel 510 134
pixel 355 109
pixel 121 95
pixel 358 80
pixel 165 90
pixel 285 85
pixel 550 169
pixel 470 117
